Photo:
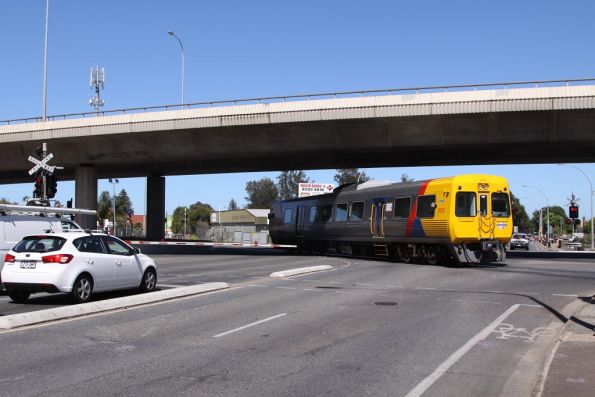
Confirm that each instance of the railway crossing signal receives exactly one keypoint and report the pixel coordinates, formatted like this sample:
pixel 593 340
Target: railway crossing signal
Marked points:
pixel 46 183
pixel 573 212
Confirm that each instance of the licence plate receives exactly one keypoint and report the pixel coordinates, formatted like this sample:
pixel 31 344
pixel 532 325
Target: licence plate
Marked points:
pixel 27 264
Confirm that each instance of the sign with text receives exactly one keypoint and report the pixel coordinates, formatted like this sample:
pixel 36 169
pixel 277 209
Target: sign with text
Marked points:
pixel 314 189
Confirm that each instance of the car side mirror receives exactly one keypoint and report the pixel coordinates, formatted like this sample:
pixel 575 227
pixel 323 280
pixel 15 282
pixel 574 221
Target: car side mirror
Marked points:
pixel 136 251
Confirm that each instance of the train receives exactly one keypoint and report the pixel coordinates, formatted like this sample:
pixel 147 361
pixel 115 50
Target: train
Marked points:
pixel 462 219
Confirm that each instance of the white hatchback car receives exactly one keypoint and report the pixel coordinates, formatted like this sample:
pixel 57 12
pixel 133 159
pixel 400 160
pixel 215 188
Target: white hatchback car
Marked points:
pixel 76 263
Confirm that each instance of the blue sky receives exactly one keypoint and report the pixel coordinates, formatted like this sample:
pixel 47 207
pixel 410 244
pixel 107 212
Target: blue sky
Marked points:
pixel 238 49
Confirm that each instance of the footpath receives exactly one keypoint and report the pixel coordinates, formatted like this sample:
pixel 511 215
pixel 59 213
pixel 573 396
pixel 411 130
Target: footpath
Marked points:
pixel 572 369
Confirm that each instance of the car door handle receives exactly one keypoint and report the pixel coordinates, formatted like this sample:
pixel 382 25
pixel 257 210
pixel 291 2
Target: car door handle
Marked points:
pixel 90 261
pixel 118 263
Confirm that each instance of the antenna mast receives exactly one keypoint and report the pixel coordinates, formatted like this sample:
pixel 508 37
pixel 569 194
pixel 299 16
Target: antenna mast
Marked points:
pixel 97 81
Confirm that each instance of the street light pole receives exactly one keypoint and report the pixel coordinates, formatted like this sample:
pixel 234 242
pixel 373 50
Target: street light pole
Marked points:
pixel 171 33
pixel 113 182
pixel 45 61
pixel 590 199
pixel 548 212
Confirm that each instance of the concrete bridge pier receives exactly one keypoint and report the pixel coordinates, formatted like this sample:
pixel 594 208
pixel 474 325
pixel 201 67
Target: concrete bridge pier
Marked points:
pixel 85 187
pixel 155 208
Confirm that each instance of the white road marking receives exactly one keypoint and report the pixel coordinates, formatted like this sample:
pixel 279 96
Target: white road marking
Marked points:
pixel 456 356
pixel 526 293
pixel 496 292
pixel 249 325
pixel 425 288
pixel 569 295
pixel 285 288
pixel 256 285
pixel 309 289
pixel 366 285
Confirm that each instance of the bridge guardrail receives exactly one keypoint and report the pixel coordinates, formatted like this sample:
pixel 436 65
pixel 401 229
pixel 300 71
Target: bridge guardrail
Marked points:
pixel 276 99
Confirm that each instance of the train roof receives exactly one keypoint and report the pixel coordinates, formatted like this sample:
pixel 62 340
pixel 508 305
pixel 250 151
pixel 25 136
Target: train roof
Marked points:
pixel 380 184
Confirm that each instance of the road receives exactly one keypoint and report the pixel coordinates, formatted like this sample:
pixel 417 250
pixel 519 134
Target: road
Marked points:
pixel 364 328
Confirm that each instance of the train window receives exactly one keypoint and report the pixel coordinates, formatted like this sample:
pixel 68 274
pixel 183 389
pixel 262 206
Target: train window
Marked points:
pixel 312 216
pixel 357 211
pixel 500 205
pixel 287 215
pixel 341 213
pixel 426 205
pixel 483 204
pixel 325 213
pixel 466 204
pixel 402 207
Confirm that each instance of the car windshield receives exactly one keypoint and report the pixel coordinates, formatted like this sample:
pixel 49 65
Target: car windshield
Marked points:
pixel 39 244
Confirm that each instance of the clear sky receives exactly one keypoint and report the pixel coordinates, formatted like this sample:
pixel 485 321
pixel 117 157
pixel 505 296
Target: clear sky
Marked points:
pixel 241 49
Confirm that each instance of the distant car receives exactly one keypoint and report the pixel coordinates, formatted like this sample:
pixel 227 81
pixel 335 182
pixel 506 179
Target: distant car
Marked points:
pixel 77 263
pixel 519 240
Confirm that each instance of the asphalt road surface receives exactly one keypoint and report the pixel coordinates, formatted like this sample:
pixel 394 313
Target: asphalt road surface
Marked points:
pixel 364 328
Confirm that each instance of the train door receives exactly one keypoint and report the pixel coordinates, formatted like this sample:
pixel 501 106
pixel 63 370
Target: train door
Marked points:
pixel 299 222
pixel 377 217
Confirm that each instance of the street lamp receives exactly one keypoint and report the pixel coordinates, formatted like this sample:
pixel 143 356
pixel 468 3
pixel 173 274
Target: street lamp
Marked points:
pixel 114 182
pixel 45 62
pixel 591 198
pixel 185 219
pixel 171 33
pixel 548 212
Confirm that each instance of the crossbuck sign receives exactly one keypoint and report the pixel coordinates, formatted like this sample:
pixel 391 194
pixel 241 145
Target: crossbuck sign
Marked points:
pixel 43 164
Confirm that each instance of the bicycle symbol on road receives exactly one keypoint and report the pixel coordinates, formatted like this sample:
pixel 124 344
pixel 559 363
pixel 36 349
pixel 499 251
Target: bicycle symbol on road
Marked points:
pixel 508 331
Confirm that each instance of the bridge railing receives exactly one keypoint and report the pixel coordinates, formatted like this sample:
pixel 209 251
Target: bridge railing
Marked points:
pixel 277 99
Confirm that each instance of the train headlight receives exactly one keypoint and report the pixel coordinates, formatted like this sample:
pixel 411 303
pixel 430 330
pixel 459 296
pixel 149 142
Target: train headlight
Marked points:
pixel 483 187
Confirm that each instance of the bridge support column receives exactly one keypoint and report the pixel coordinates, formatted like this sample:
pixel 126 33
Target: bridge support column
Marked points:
pixel 85 187
pixel 155 208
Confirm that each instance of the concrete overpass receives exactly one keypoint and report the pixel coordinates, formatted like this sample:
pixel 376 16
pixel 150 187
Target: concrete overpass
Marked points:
pixel 509 123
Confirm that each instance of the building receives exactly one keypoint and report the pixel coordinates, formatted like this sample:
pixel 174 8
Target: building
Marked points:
pixel 247 226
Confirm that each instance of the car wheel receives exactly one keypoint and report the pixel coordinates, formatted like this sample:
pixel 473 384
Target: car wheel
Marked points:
pixel 19 297
pixel 82 289
pixel 149 281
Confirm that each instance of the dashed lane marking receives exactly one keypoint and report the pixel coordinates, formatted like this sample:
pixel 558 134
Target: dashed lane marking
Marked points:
pixel 249 325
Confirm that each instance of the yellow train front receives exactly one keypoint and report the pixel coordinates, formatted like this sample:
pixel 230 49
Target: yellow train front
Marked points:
pixel 465 218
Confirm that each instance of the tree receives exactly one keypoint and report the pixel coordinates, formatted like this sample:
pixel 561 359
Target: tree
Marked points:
pixel 558 220
pixel 261 194
pixel 123 205
pixel 5 201
pixel 350 175
pixel 289 182
pixel 232 206
pixel 405 178
pixel 198 215
pixel 519 215
pixel 104 207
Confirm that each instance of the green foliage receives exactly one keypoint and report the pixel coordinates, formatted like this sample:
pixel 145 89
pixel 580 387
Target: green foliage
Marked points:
pixel 197 215
pixel 5 201
pixel 350 175
pixel 261 194
pixel 405 178
pixel 558 220
pixel 289 182
pixel 104 206
pixel 520 217
pixel 232 206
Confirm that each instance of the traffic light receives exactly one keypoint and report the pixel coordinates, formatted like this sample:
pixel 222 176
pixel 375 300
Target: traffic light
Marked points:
pixel 38 192
pixel 573 211
pixel 51 185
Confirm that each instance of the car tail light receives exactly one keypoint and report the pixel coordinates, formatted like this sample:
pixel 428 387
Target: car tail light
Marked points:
pixel 58 258
pixel 9 258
